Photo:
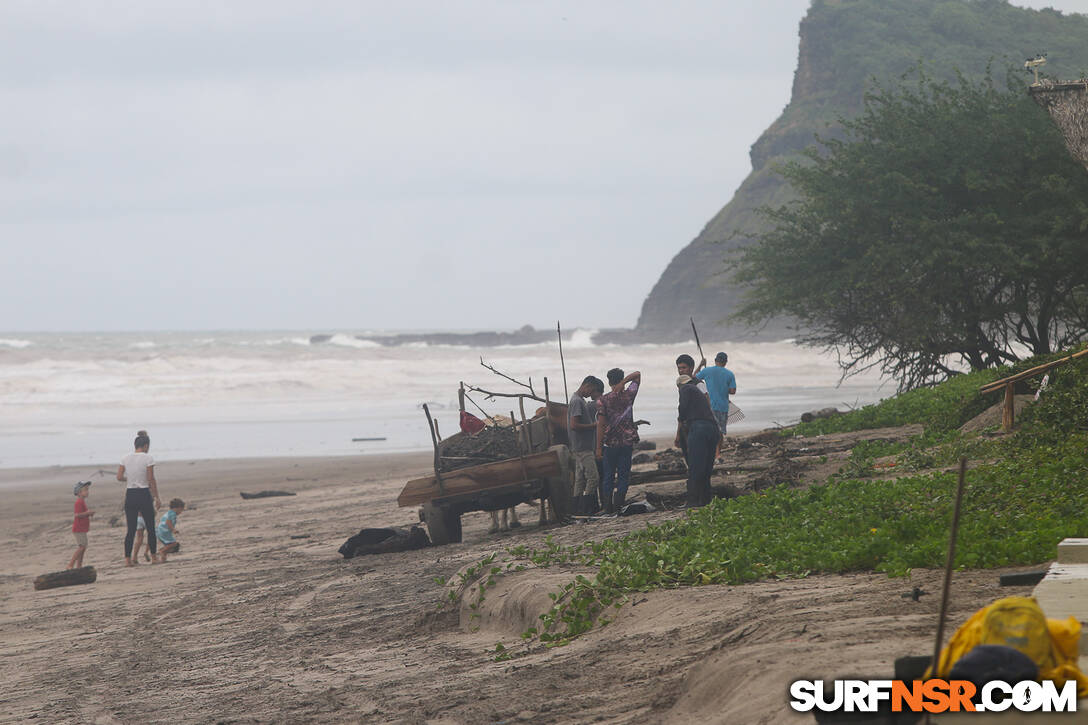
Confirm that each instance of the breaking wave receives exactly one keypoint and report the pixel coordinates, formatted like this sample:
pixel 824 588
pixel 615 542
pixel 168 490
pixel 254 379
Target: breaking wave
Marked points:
pixel 351 341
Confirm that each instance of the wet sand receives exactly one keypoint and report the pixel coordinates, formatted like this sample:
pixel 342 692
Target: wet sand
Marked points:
pixel 250 625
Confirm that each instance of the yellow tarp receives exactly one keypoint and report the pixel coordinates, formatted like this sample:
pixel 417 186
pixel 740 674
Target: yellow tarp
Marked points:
pixel 1057 659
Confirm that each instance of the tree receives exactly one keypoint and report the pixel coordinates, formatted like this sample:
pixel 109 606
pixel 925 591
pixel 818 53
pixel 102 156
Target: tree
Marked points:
pixel 947 226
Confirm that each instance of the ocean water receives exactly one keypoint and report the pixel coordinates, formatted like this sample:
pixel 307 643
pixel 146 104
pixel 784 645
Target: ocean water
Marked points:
pixel 78 399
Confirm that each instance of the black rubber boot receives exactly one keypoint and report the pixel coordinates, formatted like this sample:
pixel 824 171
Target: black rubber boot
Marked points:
pixel 617 502
pixel 609 505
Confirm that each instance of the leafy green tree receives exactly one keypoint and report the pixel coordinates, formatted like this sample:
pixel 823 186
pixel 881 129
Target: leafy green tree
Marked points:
pixel 946 226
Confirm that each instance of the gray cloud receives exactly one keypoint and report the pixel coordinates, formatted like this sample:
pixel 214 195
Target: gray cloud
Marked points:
pixel 273 164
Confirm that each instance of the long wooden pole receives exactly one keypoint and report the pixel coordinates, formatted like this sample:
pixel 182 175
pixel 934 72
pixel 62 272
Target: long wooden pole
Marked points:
pixel 999 384
pixel 697 343
pixel 547 412
pixel 935 670
pixel 485 413
pixel 525 427
pixel 437 456
pixel 559 332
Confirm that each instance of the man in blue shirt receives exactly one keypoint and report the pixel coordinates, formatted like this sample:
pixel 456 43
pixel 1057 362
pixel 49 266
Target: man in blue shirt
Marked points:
pixel 720 384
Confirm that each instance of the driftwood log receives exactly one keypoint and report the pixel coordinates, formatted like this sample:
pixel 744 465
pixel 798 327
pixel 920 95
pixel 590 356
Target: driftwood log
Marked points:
pixel 67 578
pixel 821 413
pixel 384 541
pixel 675 500
pixel 266 494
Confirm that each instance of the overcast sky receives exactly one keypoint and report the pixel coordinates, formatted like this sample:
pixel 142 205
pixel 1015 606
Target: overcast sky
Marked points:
pixel 349 165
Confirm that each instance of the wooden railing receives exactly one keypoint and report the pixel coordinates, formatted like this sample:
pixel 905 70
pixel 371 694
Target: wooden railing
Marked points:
pixel 1009 385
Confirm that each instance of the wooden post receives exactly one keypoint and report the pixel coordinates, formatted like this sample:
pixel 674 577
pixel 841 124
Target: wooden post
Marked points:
pixel 945 590
pixel 437 434
pixel 437 455
pixel 547 412
pixel 1007 413
pixel 559 333
pixel 461 397
pixel 521 456
pixel 525 426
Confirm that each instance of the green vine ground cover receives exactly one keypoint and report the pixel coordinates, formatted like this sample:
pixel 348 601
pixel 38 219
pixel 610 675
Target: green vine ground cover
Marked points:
pixel 1030 492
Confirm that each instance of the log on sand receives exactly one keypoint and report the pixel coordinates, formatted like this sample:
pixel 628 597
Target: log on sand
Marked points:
pixel 265 494
pixel 82 575
pixel 821 413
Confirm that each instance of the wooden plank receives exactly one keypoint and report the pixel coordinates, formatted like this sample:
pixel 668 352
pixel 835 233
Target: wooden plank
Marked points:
pixel 478 478
pixel 999 384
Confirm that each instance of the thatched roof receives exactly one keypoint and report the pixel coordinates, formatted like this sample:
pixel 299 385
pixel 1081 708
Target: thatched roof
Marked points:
pixel 1067 104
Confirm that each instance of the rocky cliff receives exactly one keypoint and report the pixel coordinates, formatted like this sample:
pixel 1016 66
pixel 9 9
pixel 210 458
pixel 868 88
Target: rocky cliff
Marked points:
pixel 1067 104
pixel 845 46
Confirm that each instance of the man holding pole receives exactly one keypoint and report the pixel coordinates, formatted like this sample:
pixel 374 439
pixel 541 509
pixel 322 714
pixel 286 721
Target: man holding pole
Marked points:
pixel 617 435
pixel 697 433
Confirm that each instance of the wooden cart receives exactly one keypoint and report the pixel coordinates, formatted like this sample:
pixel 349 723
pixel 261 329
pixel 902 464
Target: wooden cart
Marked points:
pixel 544 469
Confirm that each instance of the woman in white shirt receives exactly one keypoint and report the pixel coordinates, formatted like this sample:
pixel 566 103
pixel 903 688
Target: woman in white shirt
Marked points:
pixel 138 470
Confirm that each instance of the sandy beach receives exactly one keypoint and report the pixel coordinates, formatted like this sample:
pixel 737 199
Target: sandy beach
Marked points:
pixel 250 625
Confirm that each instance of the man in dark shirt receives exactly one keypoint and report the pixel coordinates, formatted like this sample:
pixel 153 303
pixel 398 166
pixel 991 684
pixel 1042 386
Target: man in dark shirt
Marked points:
pixel 696 425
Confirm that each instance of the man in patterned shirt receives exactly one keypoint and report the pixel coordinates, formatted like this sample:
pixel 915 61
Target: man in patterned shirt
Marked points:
pixel 617 435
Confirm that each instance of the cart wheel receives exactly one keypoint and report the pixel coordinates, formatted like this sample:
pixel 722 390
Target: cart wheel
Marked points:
pixel 443 525
pixel 559 487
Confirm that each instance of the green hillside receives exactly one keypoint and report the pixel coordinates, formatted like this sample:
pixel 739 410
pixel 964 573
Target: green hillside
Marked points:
pixel 844 46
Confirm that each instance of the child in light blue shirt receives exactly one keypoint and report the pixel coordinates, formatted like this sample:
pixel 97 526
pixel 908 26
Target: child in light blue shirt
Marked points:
pixel 167 528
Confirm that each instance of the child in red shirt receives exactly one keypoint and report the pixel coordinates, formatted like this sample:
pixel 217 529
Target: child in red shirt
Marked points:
pixel 81 524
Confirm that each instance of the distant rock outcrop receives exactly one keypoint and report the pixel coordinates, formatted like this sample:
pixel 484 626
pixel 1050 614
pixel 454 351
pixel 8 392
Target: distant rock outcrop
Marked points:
pixel 844 44
pixel 525 335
